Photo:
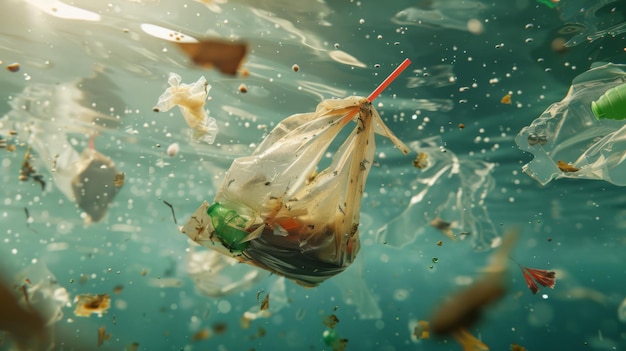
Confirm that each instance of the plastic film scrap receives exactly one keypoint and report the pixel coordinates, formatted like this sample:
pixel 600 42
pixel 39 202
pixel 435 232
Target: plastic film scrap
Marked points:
pixel 274 210
pixel 190 99
pixel 567 141
pixel 88 178
pixel 449 199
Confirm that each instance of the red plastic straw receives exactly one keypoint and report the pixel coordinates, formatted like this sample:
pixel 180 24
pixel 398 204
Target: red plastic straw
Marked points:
pixel 389 79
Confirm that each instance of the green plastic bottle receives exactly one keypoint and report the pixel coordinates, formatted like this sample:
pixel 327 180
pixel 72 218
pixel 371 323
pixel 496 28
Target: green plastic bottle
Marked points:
pixel 229 227
pixel 612 104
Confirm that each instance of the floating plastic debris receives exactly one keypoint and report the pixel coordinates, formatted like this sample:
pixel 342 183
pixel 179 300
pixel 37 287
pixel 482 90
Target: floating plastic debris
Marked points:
pixel 440 14
pixel 568 131
pixel 450 195
pixel 274 210
pixel 190 99
pixel 224 55
pixel 217 275
pixel 86 304
pixel 591 20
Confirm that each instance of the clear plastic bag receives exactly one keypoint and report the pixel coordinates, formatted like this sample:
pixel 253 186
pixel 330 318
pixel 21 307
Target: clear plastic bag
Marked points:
pixel 569 142
pixel 276 211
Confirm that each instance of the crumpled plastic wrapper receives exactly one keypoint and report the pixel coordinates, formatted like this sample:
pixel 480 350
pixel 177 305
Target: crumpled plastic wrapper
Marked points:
pixel 569 132
pixel 274 210
pixel 450 199
pixel 190 99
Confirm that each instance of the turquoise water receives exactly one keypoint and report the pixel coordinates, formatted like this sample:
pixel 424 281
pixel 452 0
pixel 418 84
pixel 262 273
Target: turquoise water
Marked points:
pixel 90 73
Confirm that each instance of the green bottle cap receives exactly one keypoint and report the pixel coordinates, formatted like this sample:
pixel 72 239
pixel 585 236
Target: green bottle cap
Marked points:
pixel 611 105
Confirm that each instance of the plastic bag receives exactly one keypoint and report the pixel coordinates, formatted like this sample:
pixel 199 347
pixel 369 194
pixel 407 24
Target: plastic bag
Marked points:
pixel 274 210
pixel 190 99
pixel 569 142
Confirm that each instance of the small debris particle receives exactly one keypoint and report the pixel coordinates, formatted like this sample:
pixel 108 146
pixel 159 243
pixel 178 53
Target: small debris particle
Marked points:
pixel 244 72
pixel 220 328
pixel 134 346
pixel 243 88
pixel 506 99
pixel 295 68
pixel 102 336
pixel 245 323
pixel 461 125
pixel 202 334
pixel 259 334
pixel 13 67
pixel 171 208
pixel 331 321
pixel 265 304
pixel 118 289
pixel 422 330
pixel 421 161
pixel 173 149
pixel 439 243
pixel 118 180
pixel 89 304
pixel 566 167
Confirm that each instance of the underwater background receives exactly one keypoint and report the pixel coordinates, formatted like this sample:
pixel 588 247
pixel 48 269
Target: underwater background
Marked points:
pixel 81 81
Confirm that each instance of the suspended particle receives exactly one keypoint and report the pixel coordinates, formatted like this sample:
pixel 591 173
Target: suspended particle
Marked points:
pixel 13 67
pixel 173 149
pixel 295 68
pixel 461 125
pixel 566 167
pixel 243 88
pixel 119 178
pixel 506 99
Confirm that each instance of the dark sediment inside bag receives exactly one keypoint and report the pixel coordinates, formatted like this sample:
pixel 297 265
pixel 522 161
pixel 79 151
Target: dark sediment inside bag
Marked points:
pixel 308 264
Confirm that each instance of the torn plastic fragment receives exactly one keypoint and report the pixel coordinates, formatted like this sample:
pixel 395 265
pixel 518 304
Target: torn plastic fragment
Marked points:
pixel 190 99
pixel 87 304
pixel 86 107
pixel 217 275
pixel 568 131
pixel 279 300
pixel 450 198
pixel 591 20
pixel 94 184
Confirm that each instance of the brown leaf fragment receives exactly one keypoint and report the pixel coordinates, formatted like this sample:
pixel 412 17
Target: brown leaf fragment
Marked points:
pixel 224 55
